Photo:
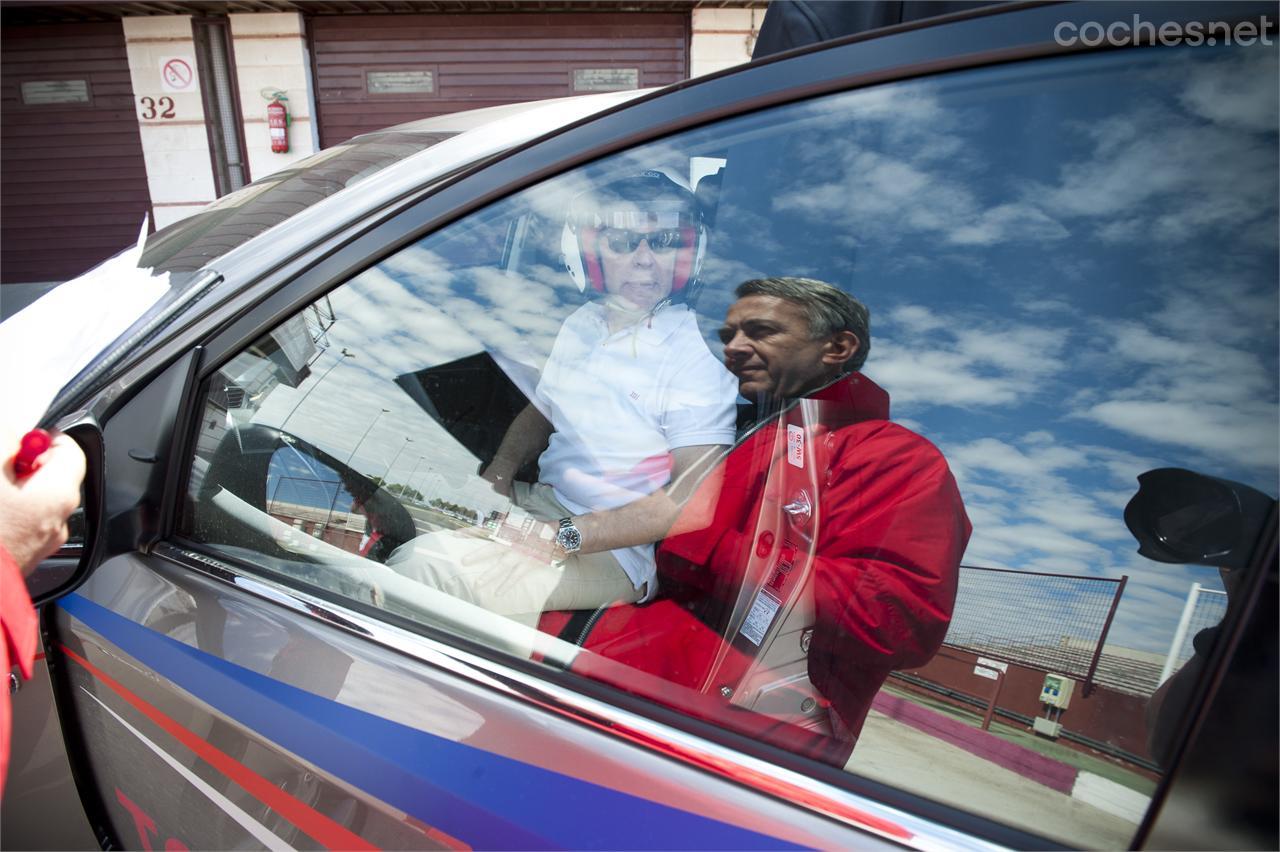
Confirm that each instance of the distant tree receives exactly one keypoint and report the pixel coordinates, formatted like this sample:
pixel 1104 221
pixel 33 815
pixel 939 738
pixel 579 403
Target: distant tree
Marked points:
pixel 405 491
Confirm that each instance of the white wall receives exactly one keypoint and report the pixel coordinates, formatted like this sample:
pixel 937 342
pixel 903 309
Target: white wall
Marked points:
pixel 175 149
pixel 271 53
pixel 722 38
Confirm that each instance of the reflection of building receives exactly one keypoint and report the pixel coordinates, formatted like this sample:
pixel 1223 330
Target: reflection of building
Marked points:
pixel 343 530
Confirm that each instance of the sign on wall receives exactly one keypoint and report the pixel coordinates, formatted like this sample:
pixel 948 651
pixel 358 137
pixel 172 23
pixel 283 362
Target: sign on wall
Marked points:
pixel 177 74
pixel 990 669
pixel 37 92
pixel 605 79
pixel 400 82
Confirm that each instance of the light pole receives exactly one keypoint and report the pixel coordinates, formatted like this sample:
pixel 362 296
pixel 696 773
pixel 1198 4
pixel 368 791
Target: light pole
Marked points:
pixel 342 357
pixel 351 457
pixel 408 483
pixel 333 503
pixel 385 473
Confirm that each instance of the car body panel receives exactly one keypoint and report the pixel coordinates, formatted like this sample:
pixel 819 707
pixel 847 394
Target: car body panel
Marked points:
pixel 224 688
pixel 38 760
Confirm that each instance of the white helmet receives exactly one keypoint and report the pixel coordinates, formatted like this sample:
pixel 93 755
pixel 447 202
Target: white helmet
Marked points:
pixel 649 206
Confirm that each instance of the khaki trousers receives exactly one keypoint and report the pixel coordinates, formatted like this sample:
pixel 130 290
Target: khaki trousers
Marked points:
pixel 503 580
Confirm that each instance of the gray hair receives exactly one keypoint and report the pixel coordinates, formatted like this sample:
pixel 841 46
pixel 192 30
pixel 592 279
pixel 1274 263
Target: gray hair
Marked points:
pixel 827 309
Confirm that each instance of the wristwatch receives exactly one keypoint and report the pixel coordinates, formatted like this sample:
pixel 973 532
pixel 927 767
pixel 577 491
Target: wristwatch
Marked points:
pixel 569 537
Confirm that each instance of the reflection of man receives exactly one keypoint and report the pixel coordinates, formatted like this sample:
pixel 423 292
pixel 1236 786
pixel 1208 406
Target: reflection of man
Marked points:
pixel 630 406
pixel 831 530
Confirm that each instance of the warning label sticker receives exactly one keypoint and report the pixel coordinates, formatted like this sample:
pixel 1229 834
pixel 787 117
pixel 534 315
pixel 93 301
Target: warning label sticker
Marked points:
pixel 795 445
pixel 763 609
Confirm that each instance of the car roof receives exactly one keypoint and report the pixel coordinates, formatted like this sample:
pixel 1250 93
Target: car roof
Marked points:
pixel 465 120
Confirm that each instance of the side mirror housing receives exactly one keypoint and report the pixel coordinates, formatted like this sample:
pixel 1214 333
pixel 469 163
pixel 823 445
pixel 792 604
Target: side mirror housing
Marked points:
pixel 1182 517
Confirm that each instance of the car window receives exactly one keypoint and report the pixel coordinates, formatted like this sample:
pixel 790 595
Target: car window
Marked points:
pixel 898 546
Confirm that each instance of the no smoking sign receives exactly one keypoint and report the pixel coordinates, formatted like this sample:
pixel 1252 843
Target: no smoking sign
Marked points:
pixel 177 74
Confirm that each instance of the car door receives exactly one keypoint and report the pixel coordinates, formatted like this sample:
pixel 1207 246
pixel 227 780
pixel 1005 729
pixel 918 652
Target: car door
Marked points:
pixel 1039 240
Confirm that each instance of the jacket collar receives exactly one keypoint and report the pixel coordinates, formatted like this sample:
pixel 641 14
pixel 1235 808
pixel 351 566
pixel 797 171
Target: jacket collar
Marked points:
pixel 852 398
pixel 855 398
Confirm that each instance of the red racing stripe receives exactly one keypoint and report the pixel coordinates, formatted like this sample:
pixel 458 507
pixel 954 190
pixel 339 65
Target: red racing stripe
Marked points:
pixel 328 833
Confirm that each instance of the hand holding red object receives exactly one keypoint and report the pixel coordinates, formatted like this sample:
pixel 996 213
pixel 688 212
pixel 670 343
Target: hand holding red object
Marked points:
pixel 34 505
pixel 33 445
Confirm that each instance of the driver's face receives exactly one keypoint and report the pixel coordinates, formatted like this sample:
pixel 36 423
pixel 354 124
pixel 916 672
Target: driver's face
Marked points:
pixel 641 276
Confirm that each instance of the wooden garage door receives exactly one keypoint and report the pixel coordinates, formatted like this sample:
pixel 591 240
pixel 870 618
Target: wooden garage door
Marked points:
pixel 75 186
pixel 377 70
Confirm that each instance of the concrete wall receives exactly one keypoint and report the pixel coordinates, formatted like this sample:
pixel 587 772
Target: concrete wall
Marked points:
pixel 722 38
pixel 176 148
pixel 271 53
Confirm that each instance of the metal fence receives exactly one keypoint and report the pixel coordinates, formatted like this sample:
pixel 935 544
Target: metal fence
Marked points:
pixel 1055 622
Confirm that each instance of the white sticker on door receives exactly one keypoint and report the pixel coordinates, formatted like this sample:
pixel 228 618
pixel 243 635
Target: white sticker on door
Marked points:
pixel 795 446
pixel 763 609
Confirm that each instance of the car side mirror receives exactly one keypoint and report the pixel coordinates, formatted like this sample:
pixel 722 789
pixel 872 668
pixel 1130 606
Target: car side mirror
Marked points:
pixel 1182 517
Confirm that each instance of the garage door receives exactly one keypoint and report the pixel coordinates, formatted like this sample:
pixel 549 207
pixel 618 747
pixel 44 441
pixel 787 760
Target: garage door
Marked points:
pixel 75 186
pixel 376 70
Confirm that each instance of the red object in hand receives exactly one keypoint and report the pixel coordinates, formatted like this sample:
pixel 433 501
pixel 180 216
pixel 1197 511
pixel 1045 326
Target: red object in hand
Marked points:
pixel 34 444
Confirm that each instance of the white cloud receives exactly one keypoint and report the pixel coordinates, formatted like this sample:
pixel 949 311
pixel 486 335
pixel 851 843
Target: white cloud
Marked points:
pixel 927 360
pixel 1006 222
pixel 1248 436
pixel 1156 174
pixel 1239 91
pixel 913 377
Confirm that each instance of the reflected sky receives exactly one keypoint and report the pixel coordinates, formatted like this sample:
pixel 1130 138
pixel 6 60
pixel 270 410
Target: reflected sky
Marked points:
pixel 1072 278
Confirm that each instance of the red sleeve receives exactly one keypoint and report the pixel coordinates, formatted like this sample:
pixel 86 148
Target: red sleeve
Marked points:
pixel 889 550
pixel 17 616
pixel 18 624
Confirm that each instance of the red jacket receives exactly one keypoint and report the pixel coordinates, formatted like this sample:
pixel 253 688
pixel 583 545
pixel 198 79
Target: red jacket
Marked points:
pixel 17 644
pixel 830 490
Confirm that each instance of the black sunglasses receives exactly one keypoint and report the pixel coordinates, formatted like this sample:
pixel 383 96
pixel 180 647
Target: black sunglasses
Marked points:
pixel 624 242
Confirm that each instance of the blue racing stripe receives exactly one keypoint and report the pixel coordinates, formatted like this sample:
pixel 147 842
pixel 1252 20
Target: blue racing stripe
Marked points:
pixel 485 799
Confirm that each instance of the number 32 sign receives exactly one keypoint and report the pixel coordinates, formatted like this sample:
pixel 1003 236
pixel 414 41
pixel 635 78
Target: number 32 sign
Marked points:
pixel 161 108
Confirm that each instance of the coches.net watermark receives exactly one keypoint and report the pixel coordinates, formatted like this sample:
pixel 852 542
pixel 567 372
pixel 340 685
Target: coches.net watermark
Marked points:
pixel 1169 33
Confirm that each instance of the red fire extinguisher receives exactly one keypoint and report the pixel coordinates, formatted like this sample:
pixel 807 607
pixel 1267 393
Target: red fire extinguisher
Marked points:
pixel 278 124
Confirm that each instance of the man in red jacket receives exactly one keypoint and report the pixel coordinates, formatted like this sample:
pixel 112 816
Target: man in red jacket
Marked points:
pixel 823 555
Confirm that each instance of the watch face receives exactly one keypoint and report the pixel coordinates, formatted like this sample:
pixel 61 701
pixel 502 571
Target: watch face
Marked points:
pixel 569 538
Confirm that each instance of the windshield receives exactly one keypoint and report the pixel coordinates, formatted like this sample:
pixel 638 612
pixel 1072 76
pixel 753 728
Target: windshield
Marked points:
pixel 238 217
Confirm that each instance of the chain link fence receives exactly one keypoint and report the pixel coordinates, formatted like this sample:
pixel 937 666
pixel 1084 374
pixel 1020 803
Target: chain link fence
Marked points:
pixel 1055 622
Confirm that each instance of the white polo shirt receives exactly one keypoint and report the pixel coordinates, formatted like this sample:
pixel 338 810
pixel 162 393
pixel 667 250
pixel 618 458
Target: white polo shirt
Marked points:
pixel 620 403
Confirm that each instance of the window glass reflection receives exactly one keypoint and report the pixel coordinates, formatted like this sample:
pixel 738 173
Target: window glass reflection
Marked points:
pixel 1069 269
